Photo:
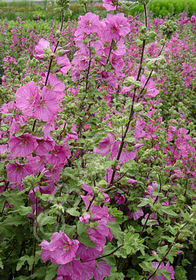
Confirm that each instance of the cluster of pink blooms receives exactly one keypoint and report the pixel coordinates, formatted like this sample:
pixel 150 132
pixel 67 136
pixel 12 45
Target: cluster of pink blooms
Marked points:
pixel 76 260
pixel 112 29
pixel 32 155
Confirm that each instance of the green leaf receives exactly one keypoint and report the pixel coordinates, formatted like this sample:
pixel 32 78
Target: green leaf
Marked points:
pixel 1 264
pixel 13 197
pixel 107 164
pixel 133 274
pixel 116 231
pixel 22 278
pixel 121 253
pixel 144 202
pixel 130 139
pixel 118 216
pixel 168 211
pixel 44 219
pixel 108 249
pixel 46 197
pixel 116 276
pixel 51 272
pixel 13 220
pixel 40 273
pixel 73 212
pixel 180 273
pixel 31 261
pixel 23 211
pixel 84 239
pixel 2 201
pixel 147 266
pixel 69 230
pixel 81 227
pixel 161 251
pixel 164 272
pixel 21 262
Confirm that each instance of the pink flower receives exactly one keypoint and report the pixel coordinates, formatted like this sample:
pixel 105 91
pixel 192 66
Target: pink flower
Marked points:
pixel 88 270
pixel 150 88
pixel 14 127
pixel 98 230
pixel 131 181
pixel 17 171
pixel 102 270
pixel 64 64
pixel 76 270
pixel 26 97
pixel 108 176
pixel 193 19
pixel 110 5
pixel 71 136
pixel 85 218
pixel 89 23
pixel 47 128
pixel 3 149
pixel 124 156
pixel 23 145
pixel 44 146
pixel 99 213
pixel 53 173
pixel 49 188
pixel 120 198
pixel 47 107
pixel 179 173
pixel 89 195
pixel 71 269
pixel 139 129
pixel 87 253
pixel 116 26
pixel 98 235
pixel 181 144
pixel 59 155
pixel 137 214
pixel 37 163
pixel 41 46
pixel 104 147
pixel 117 62
pixel 55 85
pixel 171 131
pixel 60 250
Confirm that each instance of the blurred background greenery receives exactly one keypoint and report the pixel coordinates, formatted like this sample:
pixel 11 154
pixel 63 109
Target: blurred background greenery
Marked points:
pixel 45 10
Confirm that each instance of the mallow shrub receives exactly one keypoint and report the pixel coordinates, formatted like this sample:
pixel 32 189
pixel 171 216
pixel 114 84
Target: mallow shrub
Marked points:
pixel 97 149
